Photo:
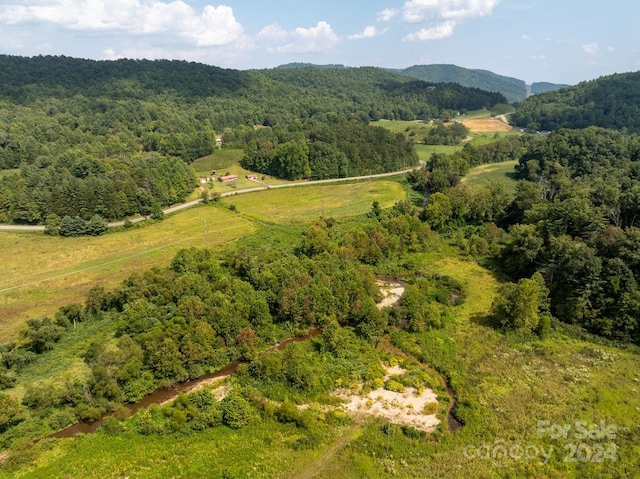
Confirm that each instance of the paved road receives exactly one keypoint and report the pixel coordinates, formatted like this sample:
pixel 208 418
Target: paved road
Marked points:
pixel 265 186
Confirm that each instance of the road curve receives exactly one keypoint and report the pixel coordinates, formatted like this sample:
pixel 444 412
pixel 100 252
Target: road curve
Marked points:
pixel 189 204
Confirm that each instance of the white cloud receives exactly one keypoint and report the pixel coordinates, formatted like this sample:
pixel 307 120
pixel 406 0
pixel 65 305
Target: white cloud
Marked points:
pixel 538 57
pixel 273 32
pixel 387 14
pixel 442 30
pixel 320 38
pixel 368 32
pixel 526 37
pixel 590 48
pixel 418 11
pixel 447 14
pixel 611 49
pixel 214 26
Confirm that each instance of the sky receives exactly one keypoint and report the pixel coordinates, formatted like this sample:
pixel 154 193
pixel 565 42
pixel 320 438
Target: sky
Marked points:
pixel 559 41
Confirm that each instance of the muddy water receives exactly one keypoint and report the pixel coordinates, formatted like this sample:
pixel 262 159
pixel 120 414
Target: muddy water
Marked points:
pixel 163 395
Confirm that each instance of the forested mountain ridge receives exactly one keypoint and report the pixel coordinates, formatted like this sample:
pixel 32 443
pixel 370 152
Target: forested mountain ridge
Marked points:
pixel 610 102
pixel 543 87
pixel 512 88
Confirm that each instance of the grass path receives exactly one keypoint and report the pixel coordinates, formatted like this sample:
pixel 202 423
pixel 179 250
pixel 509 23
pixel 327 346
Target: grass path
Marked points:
pixel 313 469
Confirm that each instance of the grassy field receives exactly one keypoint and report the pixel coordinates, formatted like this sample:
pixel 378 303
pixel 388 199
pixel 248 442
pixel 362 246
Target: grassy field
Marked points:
pixel 305 204
pixel 218 160
pixel 505 385
pixel 42 273
pixel 425 151
pixel 502 173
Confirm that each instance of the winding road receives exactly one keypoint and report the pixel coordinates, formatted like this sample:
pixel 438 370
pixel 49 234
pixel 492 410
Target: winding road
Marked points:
pixel 265 186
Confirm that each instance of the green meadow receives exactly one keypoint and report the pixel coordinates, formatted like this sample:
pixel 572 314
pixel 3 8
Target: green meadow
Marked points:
pixel 501 173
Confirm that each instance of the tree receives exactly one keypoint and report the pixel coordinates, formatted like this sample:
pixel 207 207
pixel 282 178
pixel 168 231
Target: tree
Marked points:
pixel 438 210
pixel 517 306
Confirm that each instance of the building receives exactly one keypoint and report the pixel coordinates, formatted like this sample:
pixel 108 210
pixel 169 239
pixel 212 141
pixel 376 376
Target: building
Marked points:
pixel 227 178
pixel 252 176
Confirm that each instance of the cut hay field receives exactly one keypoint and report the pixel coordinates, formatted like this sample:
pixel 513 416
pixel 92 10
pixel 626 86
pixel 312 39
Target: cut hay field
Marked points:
pixel 502 173
pixel 304 204
pixel 42 273
pixel 486 125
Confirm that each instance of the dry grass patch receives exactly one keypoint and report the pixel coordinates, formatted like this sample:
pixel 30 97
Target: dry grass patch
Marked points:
pixel 486 124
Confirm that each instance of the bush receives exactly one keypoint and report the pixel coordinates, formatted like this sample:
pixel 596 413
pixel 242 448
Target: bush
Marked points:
pixel 236 411
pixel 394 386
pixel 430 408
pixel 111 426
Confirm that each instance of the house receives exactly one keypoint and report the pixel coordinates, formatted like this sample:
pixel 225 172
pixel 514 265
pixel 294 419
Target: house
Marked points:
pixel 227 178
pixel 206 179
pixel 252 176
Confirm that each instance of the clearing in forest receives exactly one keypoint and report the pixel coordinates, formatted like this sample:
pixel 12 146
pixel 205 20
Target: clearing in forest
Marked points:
pixel 486 124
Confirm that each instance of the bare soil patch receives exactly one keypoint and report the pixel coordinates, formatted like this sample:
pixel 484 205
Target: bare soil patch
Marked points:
pixel 391 292
pixel 406 408
pixel 486 124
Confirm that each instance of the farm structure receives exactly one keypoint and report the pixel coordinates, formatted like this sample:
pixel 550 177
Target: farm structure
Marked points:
pixel 227 178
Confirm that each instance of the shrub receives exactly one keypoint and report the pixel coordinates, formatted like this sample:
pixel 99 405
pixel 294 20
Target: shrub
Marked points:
pixel 430 408
pixel 394 386
pixel 236 411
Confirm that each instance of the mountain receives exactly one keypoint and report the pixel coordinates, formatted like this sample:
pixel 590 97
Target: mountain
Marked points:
pixel 294 65
pixel 512 88
pixel 543 87
pixel 610 102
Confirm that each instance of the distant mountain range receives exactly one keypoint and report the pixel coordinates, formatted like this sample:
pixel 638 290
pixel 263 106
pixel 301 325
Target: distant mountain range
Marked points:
pixel 513 89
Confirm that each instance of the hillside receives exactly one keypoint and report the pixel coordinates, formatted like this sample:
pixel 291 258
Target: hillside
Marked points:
pixel 512 88
pixel 543 87
pixel 610 102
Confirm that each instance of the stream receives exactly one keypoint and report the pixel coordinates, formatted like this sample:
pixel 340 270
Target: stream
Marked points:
pixel 166 394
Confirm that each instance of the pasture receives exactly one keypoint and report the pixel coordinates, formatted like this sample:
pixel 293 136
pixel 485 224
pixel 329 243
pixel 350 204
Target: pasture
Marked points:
pixel 304 204
pixel 501 173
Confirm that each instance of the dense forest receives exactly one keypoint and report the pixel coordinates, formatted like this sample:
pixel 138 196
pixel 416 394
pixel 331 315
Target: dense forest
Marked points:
pixel 113 139
pixel 543 87
pixel 610 102
pixel 574 221
pixel 321 151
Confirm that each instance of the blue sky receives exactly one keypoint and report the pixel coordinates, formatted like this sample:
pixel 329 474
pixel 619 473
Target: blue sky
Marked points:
pixel 559 41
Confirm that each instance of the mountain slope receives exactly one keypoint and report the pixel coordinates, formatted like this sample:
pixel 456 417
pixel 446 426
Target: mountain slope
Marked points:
pixel 512 88
pixel 610 102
